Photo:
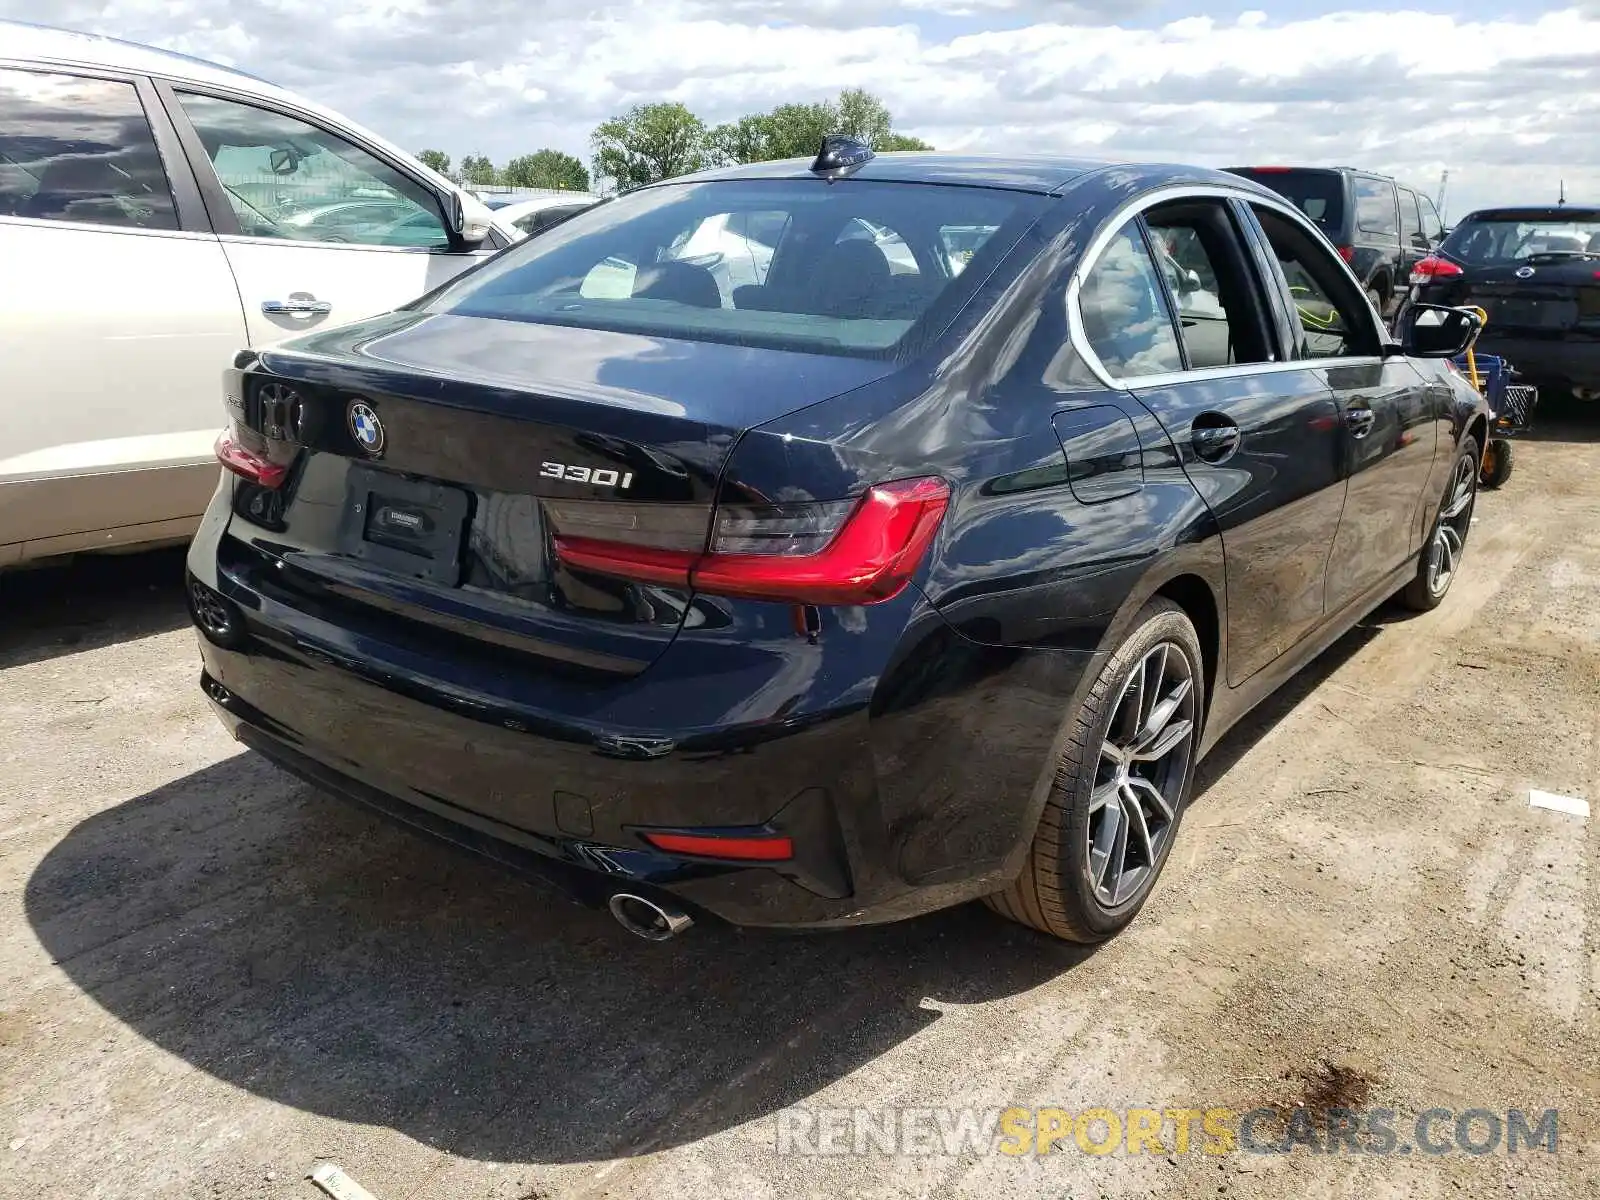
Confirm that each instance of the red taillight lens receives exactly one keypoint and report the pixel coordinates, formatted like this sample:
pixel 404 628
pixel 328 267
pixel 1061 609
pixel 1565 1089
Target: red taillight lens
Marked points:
pixel 844 552
pixel 1432 268
pixel 761 848
pixel 1348 253
pixel 247 464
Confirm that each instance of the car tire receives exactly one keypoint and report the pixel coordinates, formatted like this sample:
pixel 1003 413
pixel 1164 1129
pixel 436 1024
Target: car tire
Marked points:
pixel 1120 786
pixel 1497 463
pixel 1441 557
pixel 1375 295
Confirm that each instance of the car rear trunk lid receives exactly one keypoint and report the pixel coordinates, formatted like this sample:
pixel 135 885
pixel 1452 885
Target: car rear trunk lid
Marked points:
pixel 432 458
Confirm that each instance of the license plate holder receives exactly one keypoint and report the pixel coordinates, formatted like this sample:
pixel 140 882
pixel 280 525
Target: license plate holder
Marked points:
pixel 411 527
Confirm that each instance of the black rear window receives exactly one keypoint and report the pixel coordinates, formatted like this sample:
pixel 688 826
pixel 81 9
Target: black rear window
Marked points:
pixel 1509 239
pixel 848 268
pixel 1318 194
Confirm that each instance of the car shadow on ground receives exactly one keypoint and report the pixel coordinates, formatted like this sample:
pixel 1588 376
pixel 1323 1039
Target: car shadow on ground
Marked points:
pixel 314 956
pixel 89 602
pixel 1559 418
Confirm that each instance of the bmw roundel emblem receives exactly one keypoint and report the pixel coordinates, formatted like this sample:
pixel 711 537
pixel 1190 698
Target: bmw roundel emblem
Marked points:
pixel 1525 272
pixel 366 428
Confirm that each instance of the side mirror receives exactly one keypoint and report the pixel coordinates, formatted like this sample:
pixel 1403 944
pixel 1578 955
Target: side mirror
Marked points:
pixel 1434 331
pixel 465 233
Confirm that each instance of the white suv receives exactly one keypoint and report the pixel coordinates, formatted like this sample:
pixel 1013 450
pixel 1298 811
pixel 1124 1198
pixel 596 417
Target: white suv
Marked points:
pixel 157 214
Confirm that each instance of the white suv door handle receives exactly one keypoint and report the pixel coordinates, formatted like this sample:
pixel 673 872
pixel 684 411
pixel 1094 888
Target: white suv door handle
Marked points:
pixel 297 306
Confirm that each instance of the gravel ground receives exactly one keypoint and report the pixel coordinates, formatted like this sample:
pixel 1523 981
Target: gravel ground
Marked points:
pixel 211 978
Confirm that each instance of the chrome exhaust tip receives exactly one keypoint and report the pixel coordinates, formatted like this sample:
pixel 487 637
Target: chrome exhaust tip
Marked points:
pixel 652 921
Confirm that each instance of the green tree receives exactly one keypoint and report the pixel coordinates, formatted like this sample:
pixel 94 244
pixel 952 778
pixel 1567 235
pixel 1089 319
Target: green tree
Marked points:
pixel 546 169
pixel 435 160
pixel 862 115
pixel 900 141
pixel 797 130
pixel 649 142
pixel 746 140
pixel 476 169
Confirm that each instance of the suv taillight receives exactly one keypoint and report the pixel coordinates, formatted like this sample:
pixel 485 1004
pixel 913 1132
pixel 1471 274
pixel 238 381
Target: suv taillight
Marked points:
pixel 1433 268
pixel 861 551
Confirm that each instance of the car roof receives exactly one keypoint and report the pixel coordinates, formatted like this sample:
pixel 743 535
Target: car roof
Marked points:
pixel 1039 173
pixel 48 44
pixel 530 204
pixel 1536 212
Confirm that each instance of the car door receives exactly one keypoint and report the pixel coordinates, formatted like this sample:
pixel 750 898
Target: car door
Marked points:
pixel 1377 255
pixel 319 230
pixel 1258 436
pixel 1389 417
pixel 1414 245
pixel 117 314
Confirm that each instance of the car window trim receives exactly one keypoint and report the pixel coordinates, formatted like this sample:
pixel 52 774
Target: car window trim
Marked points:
pixel 1112 225
pixel 188 210
pixel 227 222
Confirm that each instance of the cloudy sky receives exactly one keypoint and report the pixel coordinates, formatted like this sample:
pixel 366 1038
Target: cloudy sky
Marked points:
pixel 1506 95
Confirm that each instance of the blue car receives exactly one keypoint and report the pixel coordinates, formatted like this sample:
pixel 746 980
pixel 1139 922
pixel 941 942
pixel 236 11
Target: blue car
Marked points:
pixel 851 592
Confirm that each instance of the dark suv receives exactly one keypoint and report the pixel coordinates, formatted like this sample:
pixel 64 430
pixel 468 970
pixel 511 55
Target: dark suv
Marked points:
pixel 1381 228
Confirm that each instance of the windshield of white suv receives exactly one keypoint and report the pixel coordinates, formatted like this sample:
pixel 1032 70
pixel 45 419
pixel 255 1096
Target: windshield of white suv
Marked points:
pixel 835 268
pixel 1497 240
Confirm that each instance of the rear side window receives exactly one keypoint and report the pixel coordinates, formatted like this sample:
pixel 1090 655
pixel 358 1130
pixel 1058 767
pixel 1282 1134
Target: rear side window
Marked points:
pixel 1432 227
pixel 848 268
pixel 1410 218
pixel 1375 207
pixel 78 149
pixel 544 218
pixel 1318 194
pixel 1125 315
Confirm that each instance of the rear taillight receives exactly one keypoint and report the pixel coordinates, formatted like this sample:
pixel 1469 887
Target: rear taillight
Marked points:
pixel 1434 268
pixel 861 551
pixel 1348 253
pixel 247 464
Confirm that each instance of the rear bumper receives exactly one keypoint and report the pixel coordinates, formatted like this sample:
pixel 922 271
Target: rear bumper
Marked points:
pixel 918 792
pixel 1547 364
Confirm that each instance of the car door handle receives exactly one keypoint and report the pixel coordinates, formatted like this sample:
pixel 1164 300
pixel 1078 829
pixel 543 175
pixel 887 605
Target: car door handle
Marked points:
pixel 296 307
pixel 1360 421
pixel 1214 438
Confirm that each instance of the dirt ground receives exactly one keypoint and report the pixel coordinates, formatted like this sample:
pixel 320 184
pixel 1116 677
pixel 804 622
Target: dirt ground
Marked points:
pixel 211 979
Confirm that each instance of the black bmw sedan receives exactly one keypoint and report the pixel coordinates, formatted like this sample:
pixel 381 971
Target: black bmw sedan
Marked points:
pixel 810 544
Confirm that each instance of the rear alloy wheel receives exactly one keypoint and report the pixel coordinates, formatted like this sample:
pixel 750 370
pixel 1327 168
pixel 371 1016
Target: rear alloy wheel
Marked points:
pixel 1441 557
pixel 1119 789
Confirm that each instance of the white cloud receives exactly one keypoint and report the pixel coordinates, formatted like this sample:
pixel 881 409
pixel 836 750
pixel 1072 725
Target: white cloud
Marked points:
pixel 1506 103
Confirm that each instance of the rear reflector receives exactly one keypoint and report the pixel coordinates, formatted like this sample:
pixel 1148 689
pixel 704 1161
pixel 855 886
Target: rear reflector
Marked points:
pixel 1433 268
pixel 842 552
pixel 763 848
pixel 1348 253
pixel 247 464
